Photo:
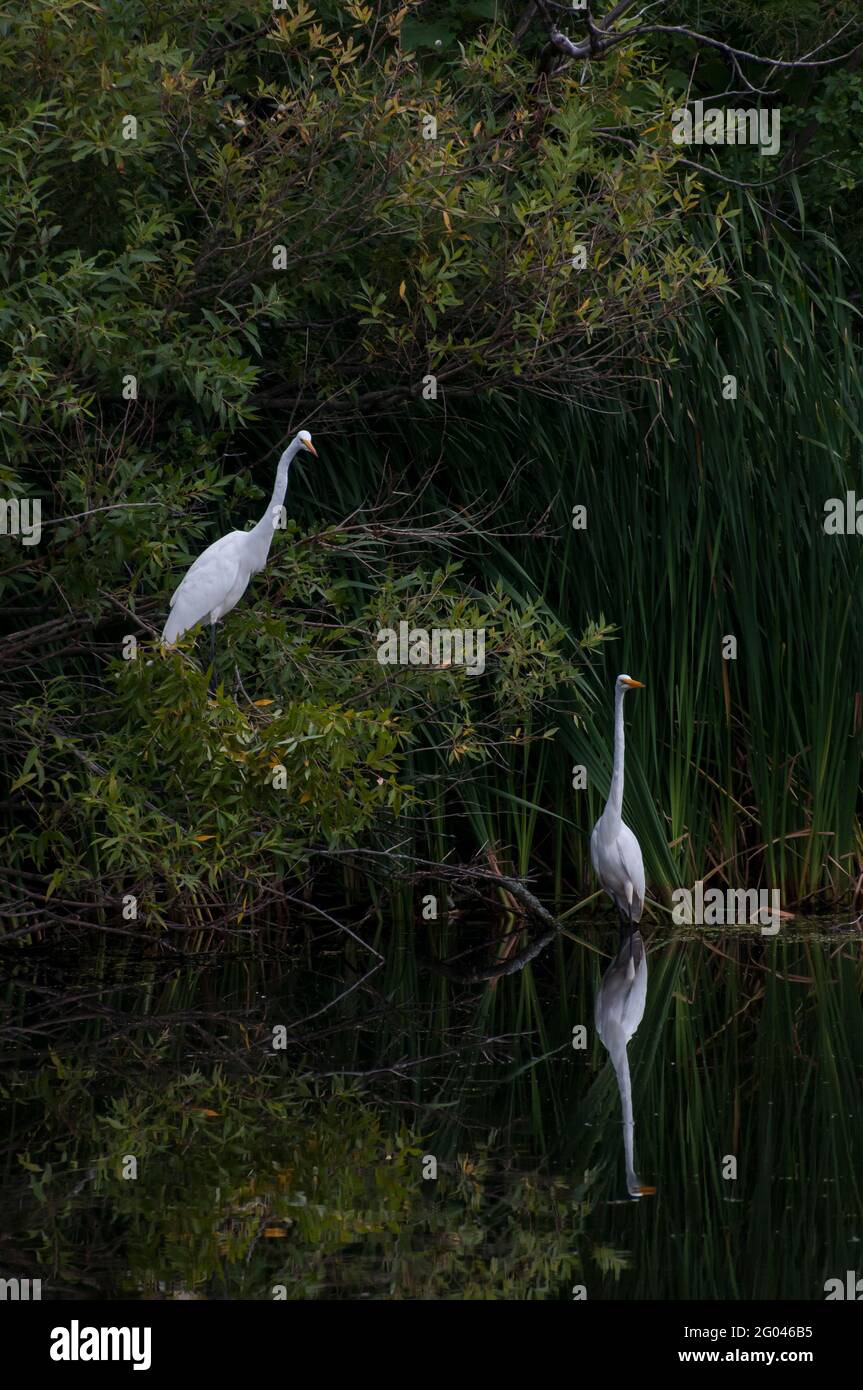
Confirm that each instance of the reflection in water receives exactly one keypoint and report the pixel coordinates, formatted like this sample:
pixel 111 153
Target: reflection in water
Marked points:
pixel 619 1010
pixel 307 1170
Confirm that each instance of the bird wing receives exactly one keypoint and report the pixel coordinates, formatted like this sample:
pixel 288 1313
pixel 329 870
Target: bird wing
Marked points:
pixel 614 991
pixel 219 551
pixel 637 997
pixel 622 993
pixel 608 860
pixel 629 852
pixel 204 585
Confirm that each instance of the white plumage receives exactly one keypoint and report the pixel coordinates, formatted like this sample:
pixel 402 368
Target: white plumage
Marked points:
pixel 614 850
pixel 217 580
pixel 212 586
pixel 619 1010
pixel 616 857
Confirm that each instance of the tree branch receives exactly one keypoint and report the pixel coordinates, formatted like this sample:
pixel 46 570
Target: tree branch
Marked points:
pixel 601 37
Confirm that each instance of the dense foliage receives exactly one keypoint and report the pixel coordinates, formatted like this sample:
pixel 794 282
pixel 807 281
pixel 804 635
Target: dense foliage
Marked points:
pixel 222 222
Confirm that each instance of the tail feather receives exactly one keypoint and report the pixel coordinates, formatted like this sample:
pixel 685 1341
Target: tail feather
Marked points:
pixel 173 629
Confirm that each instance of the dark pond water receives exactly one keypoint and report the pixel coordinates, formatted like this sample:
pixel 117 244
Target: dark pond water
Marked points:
pixel 267 1123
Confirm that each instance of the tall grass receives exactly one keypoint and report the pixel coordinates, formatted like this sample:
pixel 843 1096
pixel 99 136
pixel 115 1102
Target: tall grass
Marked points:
pixel 704 522
pixel 749 1050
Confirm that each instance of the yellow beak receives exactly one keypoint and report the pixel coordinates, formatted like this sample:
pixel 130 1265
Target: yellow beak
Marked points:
pixel 635 685
pixel 311 448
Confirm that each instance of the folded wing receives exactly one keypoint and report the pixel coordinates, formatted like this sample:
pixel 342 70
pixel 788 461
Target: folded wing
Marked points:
pixel 205 586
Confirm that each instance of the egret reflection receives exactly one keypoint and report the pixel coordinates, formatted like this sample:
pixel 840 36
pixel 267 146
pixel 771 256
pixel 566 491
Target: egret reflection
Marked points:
pixel 619 1010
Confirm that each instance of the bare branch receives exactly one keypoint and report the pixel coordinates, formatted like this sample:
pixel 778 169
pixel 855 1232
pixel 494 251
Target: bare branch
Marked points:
pixel 740 54
pixel 601 37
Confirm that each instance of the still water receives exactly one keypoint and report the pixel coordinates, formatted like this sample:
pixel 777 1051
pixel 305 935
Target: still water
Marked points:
pixel 268 1123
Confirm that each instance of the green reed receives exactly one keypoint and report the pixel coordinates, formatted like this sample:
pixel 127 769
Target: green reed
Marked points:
pixel 704 522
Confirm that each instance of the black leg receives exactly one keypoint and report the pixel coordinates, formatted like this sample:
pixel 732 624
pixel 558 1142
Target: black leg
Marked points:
pixel 212 658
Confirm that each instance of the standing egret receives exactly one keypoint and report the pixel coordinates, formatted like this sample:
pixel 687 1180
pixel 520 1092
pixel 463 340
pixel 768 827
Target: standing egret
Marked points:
pixel 217 580
pixel 619 1010
pixel 616 857
pixel 614 850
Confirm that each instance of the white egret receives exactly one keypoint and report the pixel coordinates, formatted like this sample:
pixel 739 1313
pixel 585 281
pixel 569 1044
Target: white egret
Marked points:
pixel 616 857
pixel 614 850
pixel 217 580
pixel 619 1010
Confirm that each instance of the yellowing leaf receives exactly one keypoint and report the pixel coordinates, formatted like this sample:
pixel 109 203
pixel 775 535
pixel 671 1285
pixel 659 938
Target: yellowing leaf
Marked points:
pixel 201 838
pixel 260 703
pixel 446 220
pixel 402 290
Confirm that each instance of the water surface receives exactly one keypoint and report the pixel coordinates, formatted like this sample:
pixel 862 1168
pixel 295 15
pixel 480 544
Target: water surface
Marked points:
pixel 416 1138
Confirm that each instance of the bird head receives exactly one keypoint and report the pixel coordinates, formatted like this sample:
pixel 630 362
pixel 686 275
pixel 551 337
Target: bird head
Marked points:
pixel 627 683
pixel 306 441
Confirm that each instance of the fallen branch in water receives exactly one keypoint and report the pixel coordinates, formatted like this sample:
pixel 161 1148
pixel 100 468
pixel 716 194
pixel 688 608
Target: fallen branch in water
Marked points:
pixel 470 878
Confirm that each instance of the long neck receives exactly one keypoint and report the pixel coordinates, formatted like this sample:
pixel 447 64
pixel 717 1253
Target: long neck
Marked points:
pixel 261 536
pixel 621 1068
pixel 633 1182
pixel 615 796
pixel 620 1062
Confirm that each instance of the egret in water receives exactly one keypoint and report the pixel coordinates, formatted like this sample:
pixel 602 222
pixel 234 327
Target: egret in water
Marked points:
pixel 616 857
pixel 217 580
pixel 614 850
pixel 619 1010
